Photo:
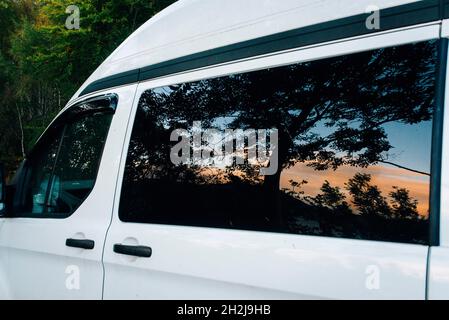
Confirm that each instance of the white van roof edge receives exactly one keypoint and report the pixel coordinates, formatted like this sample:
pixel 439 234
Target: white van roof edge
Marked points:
pixel 132 61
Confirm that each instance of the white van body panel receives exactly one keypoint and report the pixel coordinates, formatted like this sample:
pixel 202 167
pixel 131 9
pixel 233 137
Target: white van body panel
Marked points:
pixel 203 263
pixel 207 263
pixel 191 26
pixel 438 286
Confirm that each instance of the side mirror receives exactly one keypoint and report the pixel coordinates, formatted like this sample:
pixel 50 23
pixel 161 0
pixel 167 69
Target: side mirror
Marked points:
pixel 2 190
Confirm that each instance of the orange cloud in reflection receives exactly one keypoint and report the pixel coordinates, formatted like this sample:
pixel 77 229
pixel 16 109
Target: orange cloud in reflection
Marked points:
pixel 383 176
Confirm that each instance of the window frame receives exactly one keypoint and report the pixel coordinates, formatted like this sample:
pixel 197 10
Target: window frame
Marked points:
pixel 81 109
pixel 435 194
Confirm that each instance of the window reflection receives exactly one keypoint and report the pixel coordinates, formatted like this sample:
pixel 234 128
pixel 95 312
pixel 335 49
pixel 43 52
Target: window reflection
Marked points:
pixel 354 149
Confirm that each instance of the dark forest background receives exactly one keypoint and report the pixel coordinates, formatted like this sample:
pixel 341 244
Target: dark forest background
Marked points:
pixel 42 63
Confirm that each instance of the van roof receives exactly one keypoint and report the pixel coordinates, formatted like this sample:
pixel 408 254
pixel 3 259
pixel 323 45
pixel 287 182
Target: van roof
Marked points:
pixel 192 26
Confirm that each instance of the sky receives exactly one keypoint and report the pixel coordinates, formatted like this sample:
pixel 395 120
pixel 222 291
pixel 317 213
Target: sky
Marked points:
pixel 411 148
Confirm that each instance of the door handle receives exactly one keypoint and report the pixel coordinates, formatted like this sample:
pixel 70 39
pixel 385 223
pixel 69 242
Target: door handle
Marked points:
pixel 137 251
pixel 82 244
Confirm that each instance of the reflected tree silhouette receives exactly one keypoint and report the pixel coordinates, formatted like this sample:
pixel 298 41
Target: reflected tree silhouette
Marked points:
pixel 367 198
pixel 329 113
pixel 403 206
pixel 330 197
pixel 365 204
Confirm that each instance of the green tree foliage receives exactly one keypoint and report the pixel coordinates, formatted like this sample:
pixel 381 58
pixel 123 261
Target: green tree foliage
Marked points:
pixel 42 63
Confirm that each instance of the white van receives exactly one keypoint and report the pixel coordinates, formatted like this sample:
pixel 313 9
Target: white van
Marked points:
pixel 142 186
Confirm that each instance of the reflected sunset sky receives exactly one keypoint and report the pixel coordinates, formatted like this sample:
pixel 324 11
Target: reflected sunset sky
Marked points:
pixel 411 146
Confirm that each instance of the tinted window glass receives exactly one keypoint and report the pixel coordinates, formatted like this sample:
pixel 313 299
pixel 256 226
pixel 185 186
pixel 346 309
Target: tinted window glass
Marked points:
pixel 349 139
pixel 78 160
pixel 38 173
pixel 61 171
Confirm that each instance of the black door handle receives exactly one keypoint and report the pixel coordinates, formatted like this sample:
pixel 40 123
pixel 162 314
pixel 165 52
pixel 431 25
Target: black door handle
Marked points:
pixel 138 251
pixel 82 244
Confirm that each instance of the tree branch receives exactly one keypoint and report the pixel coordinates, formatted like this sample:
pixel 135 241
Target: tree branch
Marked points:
pixel 405 168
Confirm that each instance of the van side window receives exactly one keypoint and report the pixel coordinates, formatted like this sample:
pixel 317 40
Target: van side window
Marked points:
pixel 61 171
pixel 351 153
